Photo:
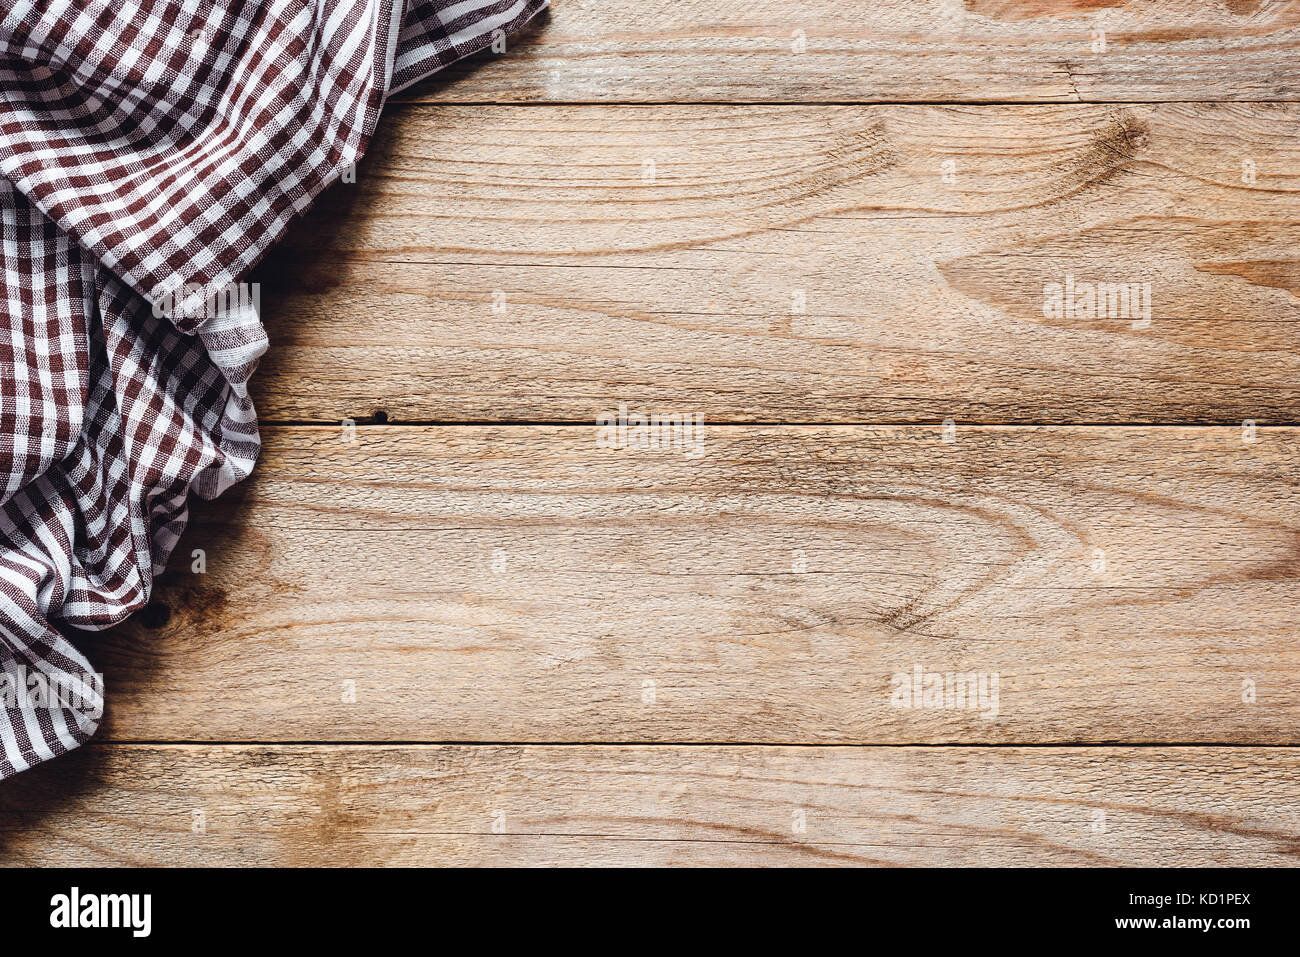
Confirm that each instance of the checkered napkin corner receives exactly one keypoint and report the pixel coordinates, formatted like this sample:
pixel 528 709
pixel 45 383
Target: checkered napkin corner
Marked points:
pixel 176 140
pixel 151 151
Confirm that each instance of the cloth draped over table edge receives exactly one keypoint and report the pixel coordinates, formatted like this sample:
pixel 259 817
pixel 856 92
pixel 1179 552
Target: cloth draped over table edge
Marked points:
pixel 121 390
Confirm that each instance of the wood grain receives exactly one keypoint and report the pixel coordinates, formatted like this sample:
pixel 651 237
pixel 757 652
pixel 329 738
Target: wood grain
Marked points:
pixel 976 50
pixel 524 264
pixel 806 262
pixel 523 584
pixel 337 806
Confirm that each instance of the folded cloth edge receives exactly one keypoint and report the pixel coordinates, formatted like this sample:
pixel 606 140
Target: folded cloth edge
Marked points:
pixel 233 343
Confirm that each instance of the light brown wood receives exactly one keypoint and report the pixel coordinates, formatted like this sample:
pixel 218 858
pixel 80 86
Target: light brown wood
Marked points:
pixel 337 806
pixel 524 584
pixel 961 50
pixel 524 264
pixel 654 640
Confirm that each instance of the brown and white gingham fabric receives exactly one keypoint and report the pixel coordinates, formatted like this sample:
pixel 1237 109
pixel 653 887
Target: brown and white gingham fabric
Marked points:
pixel 151 152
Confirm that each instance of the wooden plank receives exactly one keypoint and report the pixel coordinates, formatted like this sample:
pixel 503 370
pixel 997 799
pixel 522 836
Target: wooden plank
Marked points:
pixel 517 264
pixel 819 50
pixel 480 584
pixel 412 805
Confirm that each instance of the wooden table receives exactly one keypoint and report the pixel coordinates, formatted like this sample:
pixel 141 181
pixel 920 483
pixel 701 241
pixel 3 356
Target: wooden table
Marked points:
pixel 855 239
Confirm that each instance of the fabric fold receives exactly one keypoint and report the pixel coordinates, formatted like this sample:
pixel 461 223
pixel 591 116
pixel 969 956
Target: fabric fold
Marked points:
pixel 151 153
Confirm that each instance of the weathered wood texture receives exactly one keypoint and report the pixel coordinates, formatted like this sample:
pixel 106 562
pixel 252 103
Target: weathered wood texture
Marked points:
pixel 762 263
pixel 959 50
pixel 522 584
pixel 525 264
pixel 335 806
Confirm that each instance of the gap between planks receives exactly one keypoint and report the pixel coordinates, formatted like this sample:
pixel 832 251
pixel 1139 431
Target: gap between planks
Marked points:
pixel 616 743
pixel 359 420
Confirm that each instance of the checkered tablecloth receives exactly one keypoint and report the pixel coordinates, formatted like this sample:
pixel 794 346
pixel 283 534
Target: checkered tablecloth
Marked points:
pixel 151 151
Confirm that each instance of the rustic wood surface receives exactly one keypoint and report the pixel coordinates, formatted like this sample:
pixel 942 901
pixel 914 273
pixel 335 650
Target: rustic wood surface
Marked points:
pixel 870 50
pixel 476 272
pixel 548 805
pixel 476 636
pixel 523 584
